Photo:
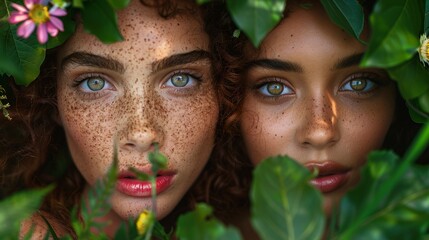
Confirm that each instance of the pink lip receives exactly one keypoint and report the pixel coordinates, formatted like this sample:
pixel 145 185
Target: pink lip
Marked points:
pixel 331 175
pixel 137 188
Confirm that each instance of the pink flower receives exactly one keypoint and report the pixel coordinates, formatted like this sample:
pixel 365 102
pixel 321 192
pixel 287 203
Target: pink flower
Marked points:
pixel 35 12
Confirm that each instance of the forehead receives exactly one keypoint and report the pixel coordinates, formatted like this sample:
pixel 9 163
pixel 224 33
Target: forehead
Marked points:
pixel 308 29
pixel 146 35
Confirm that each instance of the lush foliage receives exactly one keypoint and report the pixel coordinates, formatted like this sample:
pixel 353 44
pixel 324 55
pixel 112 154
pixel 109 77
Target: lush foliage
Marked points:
pixel 392 200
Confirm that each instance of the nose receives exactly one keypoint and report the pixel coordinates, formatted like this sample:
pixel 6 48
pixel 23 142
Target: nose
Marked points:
pixel 140 131
pixel 318 127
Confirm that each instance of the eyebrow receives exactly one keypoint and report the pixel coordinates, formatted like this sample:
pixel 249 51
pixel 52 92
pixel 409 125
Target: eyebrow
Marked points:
pixel 180 59
pixel 275 64
pixel 92 60
pixel 349 61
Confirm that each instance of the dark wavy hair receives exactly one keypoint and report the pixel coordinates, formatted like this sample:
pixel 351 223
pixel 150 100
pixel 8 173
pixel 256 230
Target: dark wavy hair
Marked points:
pixel 34 150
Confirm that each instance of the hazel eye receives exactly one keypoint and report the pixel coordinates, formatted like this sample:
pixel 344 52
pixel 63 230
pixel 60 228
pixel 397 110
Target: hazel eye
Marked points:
pixel 273 89
pixel 94 84
pixel 359 85
pixel 181 80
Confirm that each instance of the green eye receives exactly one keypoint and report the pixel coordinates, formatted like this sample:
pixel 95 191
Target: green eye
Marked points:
pixel 358 84
pixel 95 84
pixel 180 80
pixel 275 88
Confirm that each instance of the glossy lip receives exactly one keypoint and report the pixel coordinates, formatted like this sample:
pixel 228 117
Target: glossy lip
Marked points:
pixel 331 175
pixel 128 184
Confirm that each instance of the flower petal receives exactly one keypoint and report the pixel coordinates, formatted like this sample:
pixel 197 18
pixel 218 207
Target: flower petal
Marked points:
pixel 17 17
pixel 42 34
pixel 19 8
pixel 55 11
pixel 52 30
pixel 30 3
pixel 26 29
pixel 57 23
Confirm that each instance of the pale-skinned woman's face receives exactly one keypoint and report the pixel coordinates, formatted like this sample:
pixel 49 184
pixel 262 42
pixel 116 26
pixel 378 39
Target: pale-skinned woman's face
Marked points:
pixel 306 97
pixel 155 87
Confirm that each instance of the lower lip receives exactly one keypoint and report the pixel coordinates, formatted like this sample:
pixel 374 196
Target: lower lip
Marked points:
pixel 330 183
pixel 138 188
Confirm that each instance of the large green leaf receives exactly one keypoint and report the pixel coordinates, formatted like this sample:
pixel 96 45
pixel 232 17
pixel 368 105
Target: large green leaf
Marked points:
pixel 377 170
pixel 256 17
pixel 19 57
pixel 412 78
pixel 347 14
pixel 427 17
pixel 284 204
pixel 100 19
pixel 16 208
pixel 400 214
pixel 396 26
pixel 118 4
pixel 201 225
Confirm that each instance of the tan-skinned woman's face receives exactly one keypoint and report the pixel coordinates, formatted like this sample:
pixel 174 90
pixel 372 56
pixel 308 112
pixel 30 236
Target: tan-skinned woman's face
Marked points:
pixel 153 87
pixel 306 97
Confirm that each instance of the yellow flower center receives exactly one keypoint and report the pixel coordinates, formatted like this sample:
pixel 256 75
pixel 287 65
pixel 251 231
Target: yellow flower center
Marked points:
pixel 424 49
pixel 39 14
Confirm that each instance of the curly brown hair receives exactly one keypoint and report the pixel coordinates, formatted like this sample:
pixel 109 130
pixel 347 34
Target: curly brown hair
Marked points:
pixel 34 150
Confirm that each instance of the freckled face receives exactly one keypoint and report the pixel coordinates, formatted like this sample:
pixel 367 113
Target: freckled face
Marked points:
pixel 153 87
pixel 307 98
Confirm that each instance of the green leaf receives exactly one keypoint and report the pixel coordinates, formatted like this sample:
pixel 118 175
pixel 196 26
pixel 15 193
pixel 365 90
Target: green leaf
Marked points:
pixel 424 102
pixel 284 204
pixel 199 2
pixel 19 57
pixel 403 213
pixel 412 78
pixel 346 14
pixel 396 26
pixel 256 17
pixel 415 113
pixel 77 3
pixel 100 19
pixel 377 170
pixel 157 160
pixel 16 208
pixel 427 17
pixel 201 225
pixel 119 4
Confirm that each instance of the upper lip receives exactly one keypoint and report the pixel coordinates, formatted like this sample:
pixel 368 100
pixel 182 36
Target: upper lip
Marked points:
pixel 325 168
pixel 129 174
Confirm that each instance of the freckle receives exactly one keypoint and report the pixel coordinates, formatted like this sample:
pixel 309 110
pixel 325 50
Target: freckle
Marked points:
pixel 291 35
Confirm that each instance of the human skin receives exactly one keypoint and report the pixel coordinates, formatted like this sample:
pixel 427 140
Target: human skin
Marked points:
pixel 157 88
pixel 306 97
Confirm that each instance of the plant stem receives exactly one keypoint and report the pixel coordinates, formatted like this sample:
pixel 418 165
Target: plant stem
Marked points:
pixel 153 189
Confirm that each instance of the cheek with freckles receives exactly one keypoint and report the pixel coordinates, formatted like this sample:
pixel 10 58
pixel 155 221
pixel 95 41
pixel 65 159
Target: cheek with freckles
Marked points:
pixel 190 129
pixel 89 131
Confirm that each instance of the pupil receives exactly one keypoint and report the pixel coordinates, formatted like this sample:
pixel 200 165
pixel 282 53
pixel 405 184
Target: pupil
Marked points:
pixel 275 88
pixel 96 84
pixel 358 85
pixel 180 80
